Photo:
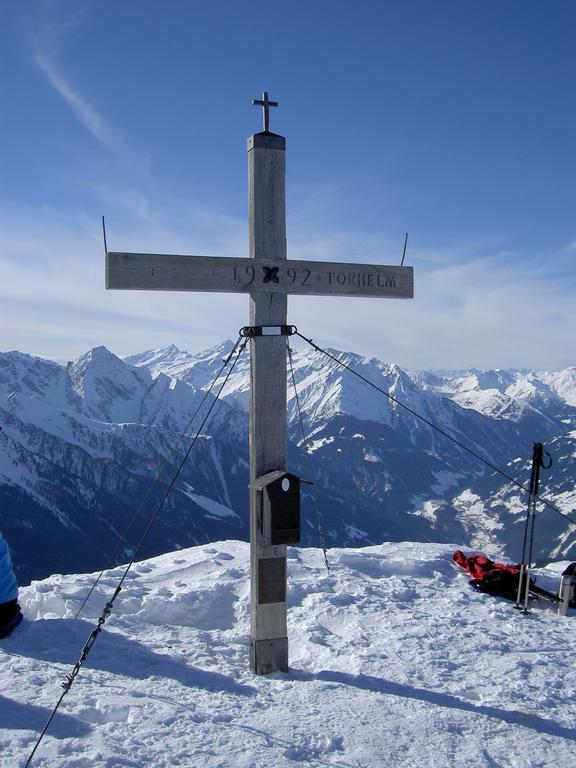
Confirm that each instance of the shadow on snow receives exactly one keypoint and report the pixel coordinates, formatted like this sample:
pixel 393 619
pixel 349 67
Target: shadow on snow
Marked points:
pixel 61 641
pixel 386 687
pixel 30 717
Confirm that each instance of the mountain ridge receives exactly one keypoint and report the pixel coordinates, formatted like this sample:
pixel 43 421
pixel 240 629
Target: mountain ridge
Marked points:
pixel 83 442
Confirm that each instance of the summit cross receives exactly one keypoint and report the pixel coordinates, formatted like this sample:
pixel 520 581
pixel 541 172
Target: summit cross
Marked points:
pixel 265 103
pixel 268 276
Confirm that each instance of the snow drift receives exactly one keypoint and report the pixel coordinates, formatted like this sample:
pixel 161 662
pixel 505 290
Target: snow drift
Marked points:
pixel 395 661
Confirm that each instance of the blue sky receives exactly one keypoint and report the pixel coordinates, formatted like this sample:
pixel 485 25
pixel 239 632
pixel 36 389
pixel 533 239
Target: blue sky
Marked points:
pixel 453 121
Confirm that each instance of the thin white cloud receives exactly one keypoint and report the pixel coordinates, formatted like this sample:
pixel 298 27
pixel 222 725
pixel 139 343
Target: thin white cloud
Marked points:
pixel 481 312
pixel 48 31
pixel 95 123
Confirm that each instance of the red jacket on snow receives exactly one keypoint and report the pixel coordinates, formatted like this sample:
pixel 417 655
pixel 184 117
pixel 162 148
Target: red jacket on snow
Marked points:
pixel 479 565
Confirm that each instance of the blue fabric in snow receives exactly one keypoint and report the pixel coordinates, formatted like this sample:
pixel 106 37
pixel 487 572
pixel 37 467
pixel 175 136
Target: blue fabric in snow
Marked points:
pixel 8 583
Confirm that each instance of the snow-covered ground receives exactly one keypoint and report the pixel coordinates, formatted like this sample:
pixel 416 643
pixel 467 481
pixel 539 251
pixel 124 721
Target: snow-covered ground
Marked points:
pixel 395 661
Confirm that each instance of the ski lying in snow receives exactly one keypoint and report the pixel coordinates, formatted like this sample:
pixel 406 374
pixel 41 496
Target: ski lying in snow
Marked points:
pixel 567 590
pixel 539 592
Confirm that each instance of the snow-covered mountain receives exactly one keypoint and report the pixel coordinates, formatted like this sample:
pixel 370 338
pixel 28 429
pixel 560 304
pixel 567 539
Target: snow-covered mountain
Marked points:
pixel 79 448
pixel 507 394
pixel 412 470
pixel 81 445
pixel 394 662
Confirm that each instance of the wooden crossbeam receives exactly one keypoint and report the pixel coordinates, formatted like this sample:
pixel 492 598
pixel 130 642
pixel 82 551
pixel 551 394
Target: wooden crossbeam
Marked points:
pixel 218 274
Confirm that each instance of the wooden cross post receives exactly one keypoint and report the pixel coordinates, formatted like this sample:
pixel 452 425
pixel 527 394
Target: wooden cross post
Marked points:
pixel 268 277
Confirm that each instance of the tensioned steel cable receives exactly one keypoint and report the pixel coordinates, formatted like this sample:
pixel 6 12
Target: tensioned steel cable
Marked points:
pixel 307 451
pixel 438 429
pixel 108 607
pixel 152 486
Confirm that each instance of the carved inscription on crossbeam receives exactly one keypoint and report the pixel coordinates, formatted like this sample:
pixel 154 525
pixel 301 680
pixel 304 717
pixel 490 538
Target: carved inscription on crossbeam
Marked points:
pixel 147 271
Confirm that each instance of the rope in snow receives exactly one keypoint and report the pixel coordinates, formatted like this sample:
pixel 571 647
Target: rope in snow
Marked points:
pixel 438 429
pixel 307 451
pixel 67 684
pixel 152 487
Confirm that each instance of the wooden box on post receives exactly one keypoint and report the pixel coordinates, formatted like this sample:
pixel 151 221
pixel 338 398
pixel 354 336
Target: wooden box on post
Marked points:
pixel 280 523
pixel 567 591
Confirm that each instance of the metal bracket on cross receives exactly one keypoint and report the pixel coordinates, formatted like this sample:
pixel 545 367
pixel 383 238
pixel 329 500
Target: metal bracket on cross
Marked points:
pixel 250 331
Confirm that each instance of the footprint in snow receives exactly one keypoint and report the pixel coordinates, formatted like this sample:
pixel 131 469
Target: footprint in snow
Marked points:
pixel 144 567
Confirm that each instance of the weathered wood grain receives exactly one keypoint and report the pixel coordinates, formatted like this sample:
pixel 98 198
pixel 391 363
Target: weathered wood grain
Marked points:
pixel 219 274
pixel 268 440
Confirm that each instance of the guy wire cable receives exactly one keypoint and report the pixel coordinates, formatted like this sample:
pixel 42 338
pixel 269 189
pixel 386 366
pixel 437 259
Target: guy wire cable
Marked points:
pixel 437 428
pixel 108 607
pixel 154 483
pixel 305 440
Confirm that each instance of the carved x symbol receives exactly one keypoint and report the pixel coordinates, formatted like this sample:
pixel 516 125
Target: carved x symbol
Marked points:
pixel 271 275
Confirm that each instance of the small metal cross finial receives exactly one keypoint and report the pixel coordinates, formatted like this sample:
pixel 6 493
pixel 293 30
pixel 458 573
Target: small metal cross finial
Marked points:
pixel 265 103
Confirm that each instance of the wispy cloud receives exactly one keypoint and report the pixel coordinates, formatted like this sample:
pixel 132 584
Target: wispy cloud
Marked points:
pixel 88 115
pixel 48 31
pixel 468 310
